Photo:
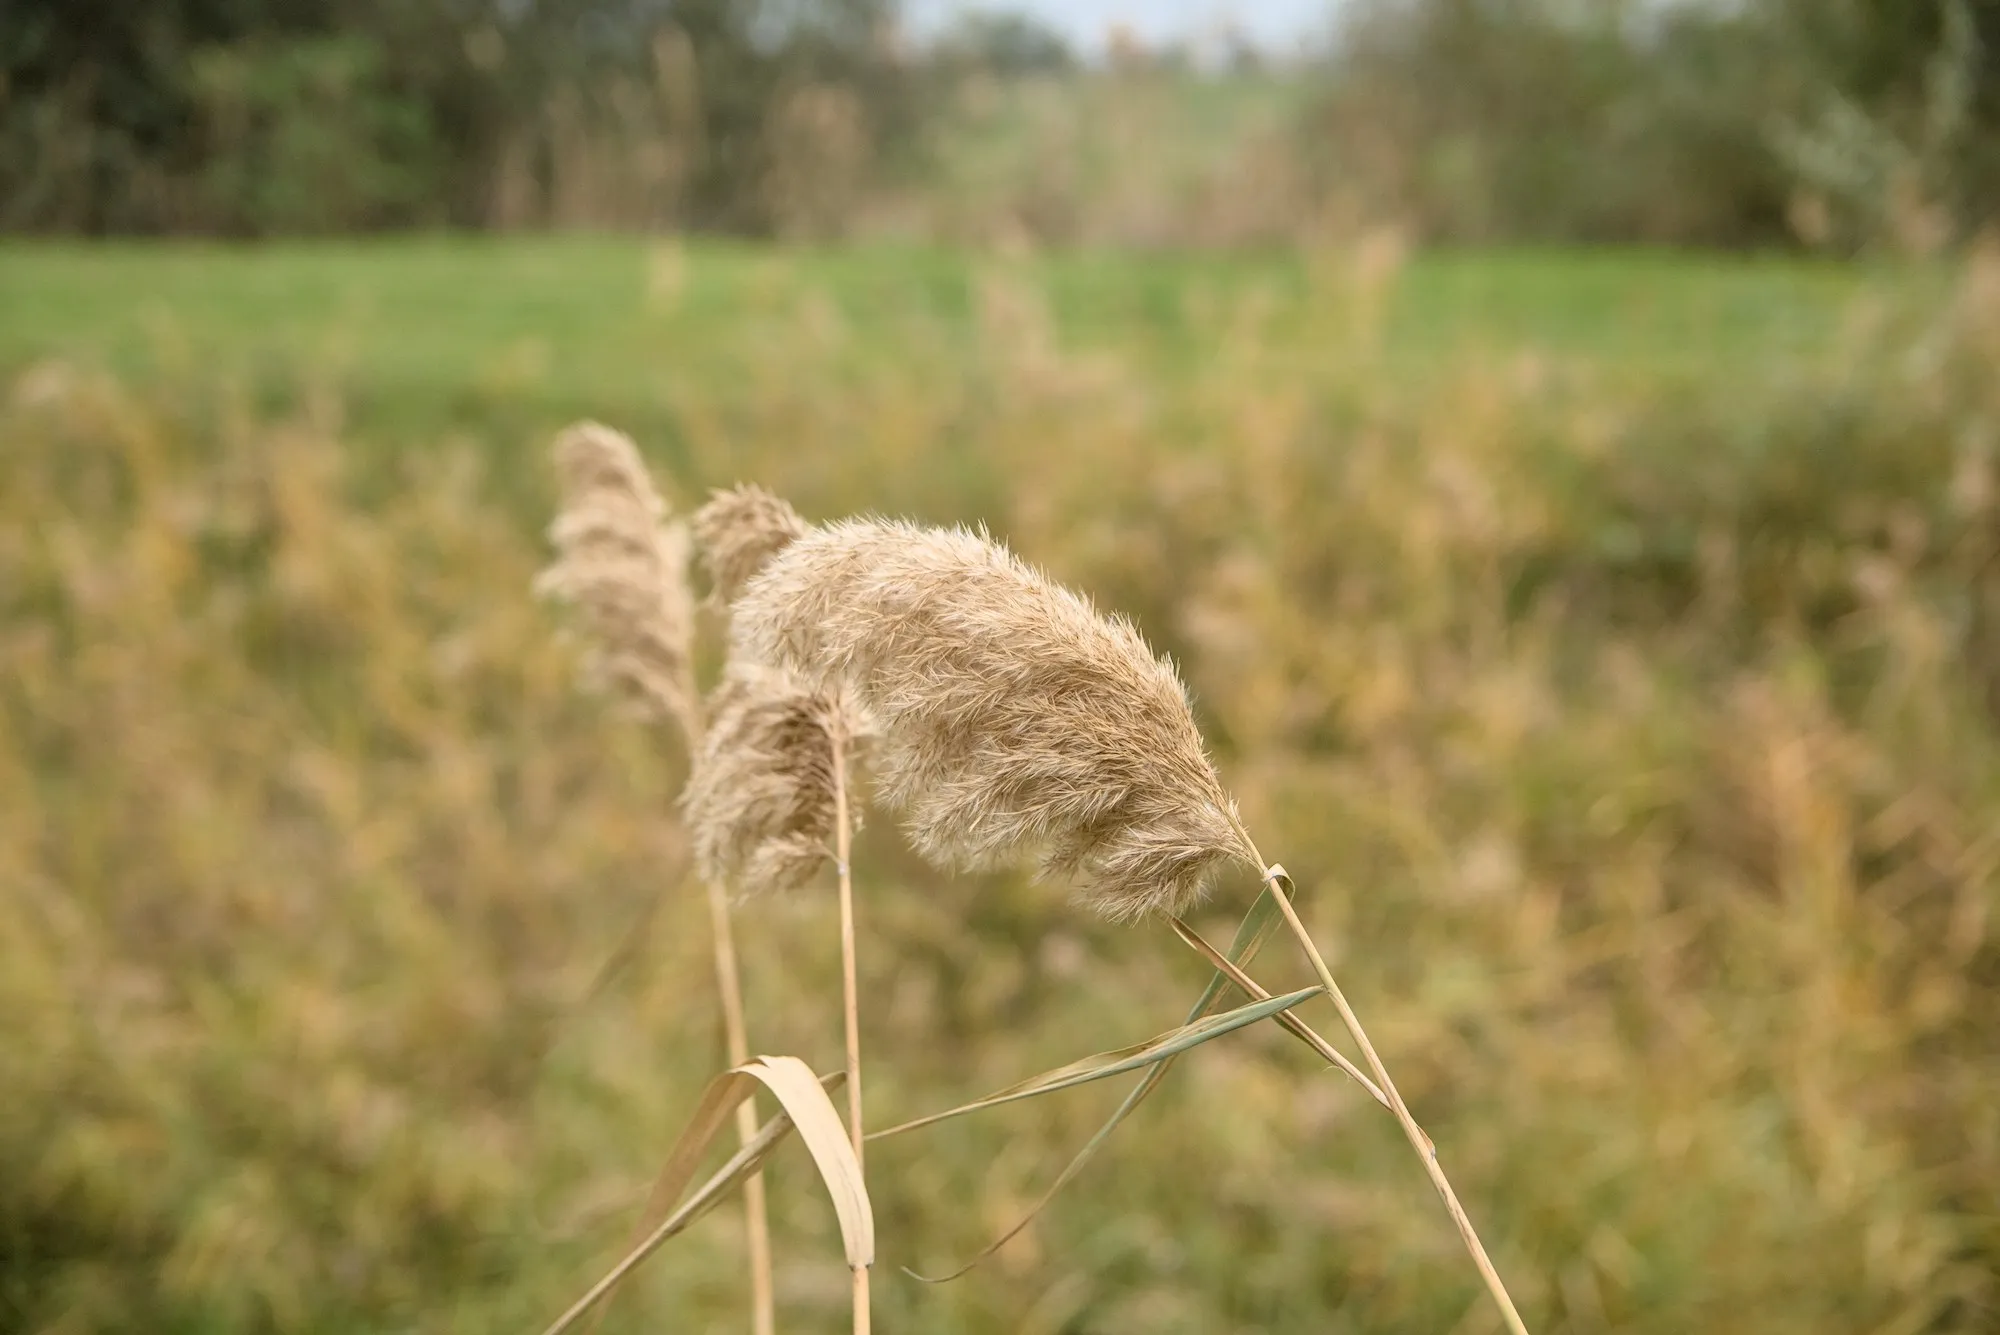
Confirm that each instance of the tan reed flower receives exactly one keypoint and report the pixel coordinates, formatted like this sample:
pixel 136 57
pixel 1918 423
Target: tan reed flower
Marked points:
pixel 738 532
pixel 760 802
pixel 1015 720
pixel 624 568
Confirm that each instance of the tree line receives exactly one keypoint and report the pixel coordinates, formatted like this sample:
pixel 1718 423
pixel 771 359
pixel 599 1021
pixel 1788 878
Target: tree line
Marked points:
pixel 1748 123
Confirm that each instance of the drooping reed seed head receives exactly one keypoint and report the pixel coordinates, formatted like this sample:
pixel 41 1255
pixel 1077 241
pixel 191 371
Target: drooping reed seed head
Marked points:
pixel 738 532
pixel 623 567
pixel 760 802
pixel 1015 720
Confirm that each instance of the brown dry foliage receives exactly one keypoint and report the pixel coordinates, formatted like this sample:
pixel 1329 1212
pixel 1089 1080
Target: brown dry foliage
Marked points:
pixel 760 803
pixel 1016 720
pixel 625 569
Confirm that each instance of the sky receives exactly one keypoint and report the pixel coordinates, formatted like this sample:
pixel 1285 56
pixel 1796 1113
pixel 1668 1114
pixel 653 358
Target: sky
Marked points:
pixel 1276 25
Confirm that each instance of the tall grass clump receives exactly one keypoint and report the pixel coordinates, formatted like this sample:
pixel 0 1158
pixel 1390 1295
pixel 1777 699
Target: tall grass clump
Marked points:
pixel 768 805
pixel 766 802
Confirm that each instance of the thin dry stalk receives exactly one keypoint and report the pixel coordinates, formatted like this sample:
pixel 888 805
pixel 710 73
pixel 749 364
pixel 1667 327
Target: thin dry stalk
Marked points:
pixel 1292 1023
pixel 850 999
pixel 757 1223
pixel 768 796
pixel 1421 1143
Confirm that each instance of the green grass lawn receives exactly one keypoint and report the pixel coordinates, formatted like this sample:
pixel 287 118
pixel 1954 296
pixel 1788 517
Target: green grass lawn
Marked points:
pixel 425 333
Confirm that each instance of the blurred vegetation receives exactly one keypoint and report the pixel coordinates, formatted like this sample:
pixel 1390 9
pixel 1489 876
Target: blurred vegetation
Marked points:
pixel 1835 123
pixel 1841 122
pixel 1609 643
pixel 498 337
pixel 271 116
pixel 1634 735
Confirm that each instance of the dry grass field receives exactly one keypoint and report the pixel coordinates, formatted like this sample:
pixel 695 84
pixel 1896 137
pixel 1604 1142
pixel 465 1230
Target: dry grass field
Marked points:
pixel 1612 657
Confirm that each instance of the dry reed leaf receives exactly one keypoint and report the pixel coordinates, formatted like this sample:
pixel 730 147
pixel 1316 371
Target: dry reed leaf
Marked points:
pixel 760 801
pixel 624 568
pixel 741 1167
pixel 1015 719
pixel 656 1226
pixel 803 1096
pixel 1102 1065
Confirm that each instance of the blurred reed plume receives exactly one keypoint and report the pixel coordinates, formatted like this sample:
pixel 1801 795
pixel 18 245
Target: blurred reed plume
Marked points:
pixel 760 804
pixel 738 532
pixel 1015 719
pixel 625 569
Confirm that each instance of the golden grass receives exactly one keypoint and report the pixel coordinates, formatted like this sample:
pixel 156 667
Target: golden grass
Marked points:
pixel 1637 750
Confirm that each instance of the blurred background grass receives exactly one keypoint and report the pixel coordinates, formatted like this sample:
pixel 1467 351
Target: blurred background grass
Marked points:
pixel 1608 640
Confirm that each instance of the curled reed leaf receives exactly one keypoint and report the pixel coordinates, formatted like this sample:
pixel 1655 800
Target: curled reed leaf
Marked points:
pixel 624 568
pixel 807 1109
pixel 760 801
pixel 738 532
pixel 1015 719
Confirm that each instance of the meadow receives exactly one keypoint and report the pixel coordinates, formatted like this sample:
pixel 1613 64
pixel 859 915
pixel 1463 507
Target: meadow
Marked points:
pixel 1609 644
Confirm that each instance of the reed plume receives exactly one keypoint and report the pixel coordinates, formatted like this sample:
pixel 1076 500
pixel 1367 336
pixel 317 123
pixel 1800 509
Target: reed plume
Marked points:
pixel 1015 720
pixel 623 566
pixel 738 532
pixel 760 803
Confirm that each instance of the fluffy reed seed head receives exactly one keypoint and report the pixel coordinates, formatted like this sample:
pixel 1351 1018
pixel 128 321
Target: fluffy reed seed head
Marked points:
pixel 760 801
pixel 624 568
pixel 1015 720
pixel 738 532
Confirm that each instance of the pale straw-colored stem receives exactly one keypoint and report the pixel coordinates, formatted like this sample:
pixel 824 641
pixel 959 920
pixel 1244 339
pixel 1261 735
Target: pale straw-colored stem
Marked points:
pixel 850 998
pixel 1275 878
pixel 756 1218
pixel 736 1037
pixel 1256 990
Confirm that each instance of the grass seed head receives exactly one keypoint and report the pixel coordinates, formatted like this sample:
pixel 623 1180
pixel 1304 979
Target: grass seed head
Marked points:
pixel 737 534
pixel 760 802
pixel 623 566
pixel 1015 719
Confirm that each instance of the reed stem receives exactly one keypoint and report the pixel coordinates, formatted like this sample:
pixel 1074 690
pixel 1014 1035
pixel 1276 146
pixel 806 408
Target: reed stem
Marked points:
pixel 1426 1151
pixel 1292 1023
pixel 756 1216
pixel 850 998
